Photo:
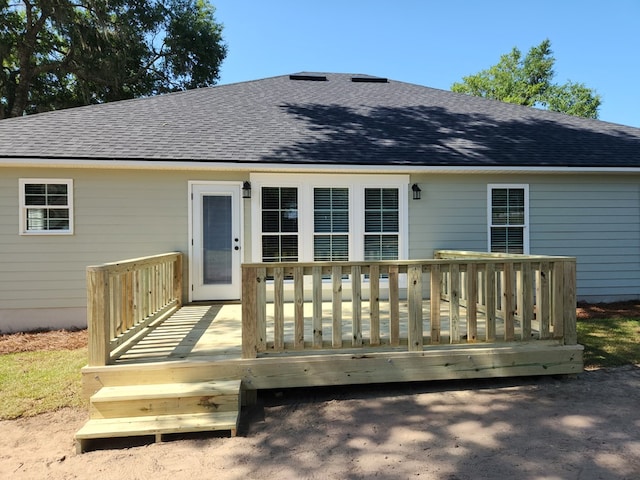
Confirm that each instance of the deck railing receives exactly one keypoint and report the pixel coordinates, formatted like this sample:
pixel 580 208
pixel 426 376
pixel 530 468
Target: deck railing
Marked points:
pixel 472 297
pixel 125 297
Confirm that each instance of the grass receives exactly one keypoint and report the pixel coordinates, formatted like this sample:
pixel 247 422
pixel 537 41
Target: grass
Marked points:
pixel 609 342
pixel 37 382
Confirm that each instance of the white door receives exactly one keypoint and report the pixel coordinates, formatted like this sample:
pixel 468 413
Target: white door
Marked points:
pixel 215 241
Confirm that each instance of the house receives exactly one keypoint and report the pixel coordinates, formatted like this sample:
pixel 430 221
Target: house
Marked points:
pixel 306 167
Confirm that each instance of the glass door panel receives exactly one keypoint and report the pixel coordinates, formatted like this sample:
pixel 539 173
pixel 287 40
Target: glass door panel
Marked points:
pixel 217 241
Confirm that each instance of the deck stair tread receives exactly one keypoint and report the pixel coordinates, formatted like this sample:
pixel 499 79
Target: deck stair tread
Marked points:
pixel 161 424
pixel 165 390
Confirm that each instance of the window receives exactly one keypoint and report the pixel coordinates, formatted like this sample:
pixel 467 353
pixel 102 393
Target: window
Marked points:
pixel 279 224
pixel 508 218
pixel 330 224
pixel 308 217
pixel 46 206
pixel 381 223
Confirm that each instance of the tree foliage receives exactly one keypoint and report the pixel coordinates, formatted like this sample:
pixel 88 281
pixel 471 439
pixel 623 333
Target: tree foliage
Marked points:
pixel 63 53
pixel 529 81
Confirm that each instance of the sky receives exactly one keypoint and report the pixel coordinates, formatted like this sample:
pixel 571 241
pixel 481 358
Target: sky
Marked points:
pixel 437 42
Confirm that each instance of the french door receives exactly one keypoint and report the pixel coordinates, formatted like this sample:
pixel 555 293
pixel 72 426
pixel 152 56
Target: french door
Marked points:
pixel 215 241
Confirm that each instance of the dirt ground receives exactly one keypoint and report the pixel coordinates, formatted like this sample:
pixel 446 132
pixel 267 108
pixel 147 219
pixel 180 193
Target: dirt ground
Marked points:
pixel 584 428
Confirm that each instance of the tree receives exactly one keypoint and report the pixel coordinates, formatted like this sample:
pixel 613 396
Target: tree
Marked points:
pixel 63 53
pixel 528 81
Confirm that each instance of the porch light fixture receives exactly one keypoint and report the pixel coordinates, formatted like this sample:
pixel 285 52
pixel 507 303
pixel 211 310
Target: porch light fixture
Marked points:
pixel 246 190
pixel 416 191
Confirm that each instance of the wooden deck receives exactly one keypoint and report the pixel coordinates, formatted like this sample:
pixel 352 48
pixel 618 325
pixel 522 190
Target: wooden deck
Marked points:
pixel 495 316
pixel 203 343
pixel 213 332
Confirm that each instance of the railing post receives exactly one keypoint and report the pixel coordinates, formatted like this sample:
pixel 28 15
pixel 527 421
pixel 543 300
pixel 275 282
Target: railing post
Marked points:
pixel 316 273
pixel 177 280
pixel 557 298
pixel 472 303
pixel 544 304
pixel 490 301
pixel 261 309
pixel 454 302
pixel 278 309
pixel 249 309
pixel 526 308
pixel 298 300
pixel 415 331
pixel 569 295
pixel 435 304
pixel 508 303
pixel 394 306
pixel 356 302
pixel 336 301
pixel 374 304
pixel 98 316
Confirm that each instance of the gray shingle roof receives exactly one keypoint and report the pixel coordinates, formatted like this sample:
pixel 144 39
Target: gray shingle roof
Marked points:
pixel 336 121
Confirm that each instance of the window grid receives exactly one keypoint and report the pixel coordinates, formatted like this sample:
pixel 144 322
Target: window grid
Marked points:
pixel 279 224
pixel 331 224
pixel 46 206
pixel 507 220
pixel 381 224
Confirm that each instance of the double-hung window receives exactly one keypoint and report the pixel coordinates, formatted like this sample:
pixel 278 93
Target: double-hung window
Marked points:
pixel 508 208
pixel 46 206
pixel 279 224
pixel 330 224
pixel 381 223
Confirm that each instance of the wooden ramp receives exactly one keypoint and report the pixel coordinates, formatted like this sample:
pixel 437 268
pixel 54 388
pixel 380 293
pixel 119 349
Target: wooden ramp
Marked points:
pixel 155 410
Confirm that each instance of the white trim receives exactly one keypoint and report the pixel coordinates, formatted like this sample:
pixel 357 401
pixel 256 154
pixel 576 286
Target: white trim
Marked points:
pixel 193 268
pixel 22 227
pixel 305 184
pixel 292 168
pixel 525 235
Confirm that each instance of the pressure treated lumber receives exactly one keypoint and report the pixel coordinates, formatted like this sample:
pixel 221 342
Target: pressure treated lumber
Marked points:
pixel 155 426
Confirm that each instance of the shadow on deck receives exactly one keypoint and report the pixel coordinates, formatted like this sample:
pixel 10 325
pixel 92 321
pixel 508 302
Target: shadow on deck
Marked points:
pixel 195 330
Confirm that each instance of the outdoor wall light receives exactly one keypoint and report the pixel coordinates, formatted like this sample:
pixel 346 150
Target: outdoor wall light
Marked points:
pixel 246 190
pixel 416 191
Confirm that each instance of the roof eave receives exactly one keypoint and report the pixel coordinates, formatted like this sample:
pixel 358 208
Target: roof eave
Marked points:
pixel 120 164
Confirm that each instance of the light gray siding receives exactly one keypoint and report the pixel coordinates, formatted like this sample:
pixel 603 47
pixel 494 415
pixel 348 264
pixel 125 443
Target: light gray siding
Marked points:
pixel 122 214
pixel 595 218
pixel 451 214
pixel 118 215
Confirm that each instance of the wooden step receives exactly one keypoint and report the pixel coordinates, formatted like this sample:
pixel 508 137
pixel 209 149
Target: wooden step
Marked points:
pixel 101 428
pixel 165 399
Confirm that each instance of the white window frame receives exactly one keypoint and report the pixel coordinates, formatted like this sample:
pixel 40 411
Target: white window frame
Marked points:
pixel 525 233
pixel 23 182
pixel 306 184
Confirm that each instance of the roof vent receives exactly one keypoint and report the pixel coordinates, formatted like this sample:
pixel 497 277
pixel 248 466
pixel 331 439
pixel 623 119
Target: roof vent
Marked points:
pixel 368 79
pixel 312 77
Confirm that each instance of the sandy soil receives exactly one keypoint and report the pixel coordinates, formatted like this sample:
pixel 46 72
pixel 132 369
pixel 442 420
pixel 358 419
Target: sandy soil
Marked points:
pixel 584 428
pixel 527 428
